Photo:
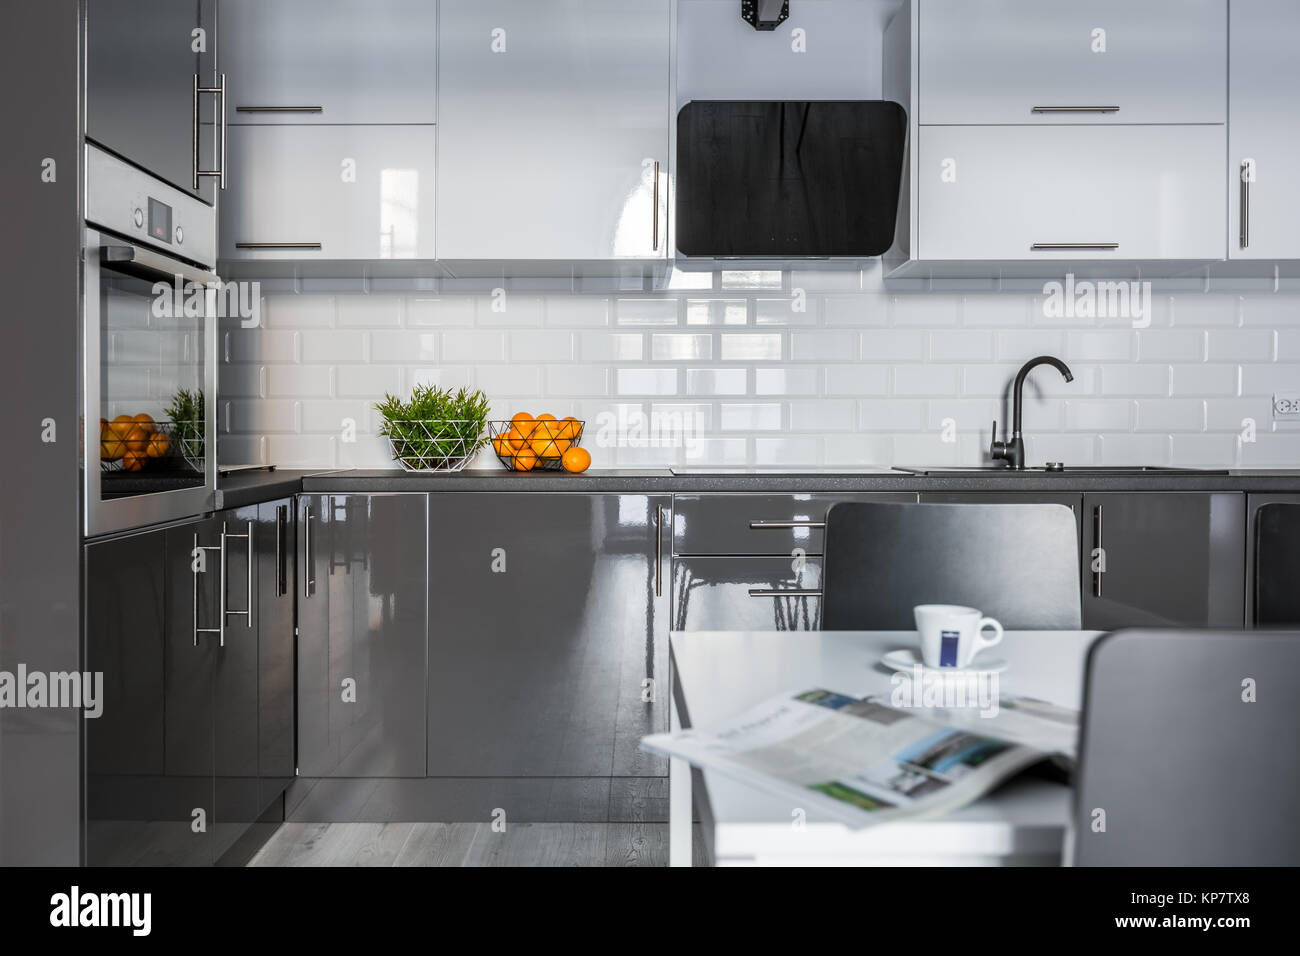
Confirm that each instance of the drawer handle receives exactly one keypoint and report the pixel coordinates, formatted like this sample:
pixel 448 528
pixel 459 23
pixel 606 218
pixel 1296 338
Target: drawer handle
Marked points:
pixel 770 525
pixel 1075 245
pixel 279 109
pixel 1075 109
pixel 1247 177
pixel 782 592
pixel 277 245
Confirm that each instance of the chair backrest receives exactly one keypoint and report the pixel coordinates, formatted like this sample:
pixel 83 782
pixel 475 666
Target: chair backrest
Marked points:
pixel 1018 563
pixel 1188 753
pixel 1277 565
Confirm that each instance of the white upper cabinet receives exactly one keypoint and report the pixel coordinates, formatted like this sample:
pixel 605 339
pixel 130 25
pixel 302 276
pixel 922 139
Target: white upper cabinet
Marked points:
pixel 329 192
pixel 553 130
pixel 1070 192
pixel 1070 61
pixel 1264 130
pixel 329 61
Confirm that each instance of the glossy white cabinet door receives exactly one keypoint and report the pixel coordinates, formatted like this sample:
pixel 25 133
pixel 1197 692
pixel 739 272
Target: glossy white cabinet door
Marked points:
pixel 993 192
pixel 329 192
pixel 358 61
pixel 552 117
pixel 1264 129
pixel 993 61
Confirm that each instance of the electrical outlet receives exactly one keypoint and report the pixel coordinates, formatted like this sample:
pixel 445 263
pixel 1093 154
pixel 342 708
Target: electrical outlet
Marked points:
pixel 1286 405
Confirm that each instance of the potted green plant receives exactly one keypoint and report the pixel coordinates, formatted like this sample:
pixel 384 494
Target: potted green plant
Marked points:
pixel 435 429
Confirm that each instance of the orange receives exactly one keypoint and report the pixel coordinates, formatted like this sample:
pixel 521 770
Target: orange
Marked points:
pixel 525 461
pixel 546 417
pixel 569 428
pixel 122 425
pixel 145 420
pixel 519 434
pixel 520 418
pixel 501 446
pixel 576 459
pixel 137 439
pixel 543 443
pixel 110 445
pixel 158 445
pixel 133 460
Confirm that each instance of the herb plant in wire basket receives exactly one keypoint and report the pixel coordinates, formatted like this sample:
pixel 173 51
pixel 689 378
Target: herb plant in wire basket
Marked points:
pixel 436 429
pixel 188 419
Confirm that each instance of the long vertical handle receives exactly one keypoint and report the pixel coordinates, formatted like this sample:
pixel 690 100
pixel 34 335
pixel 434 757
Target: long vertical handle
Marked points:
pixel 220 173
pixel 194 573
pixel 221 599
pixel 306 551
pixel 194 141
pixel 281 575
pixel 1247 174
pixel 655 227
pixel 1100 552
pixel 659 550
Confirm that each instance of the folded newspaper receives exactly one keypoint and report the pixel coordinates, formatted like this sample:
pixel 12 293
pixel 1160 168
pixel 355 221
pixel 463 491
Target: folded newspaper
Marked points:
pixel 863 763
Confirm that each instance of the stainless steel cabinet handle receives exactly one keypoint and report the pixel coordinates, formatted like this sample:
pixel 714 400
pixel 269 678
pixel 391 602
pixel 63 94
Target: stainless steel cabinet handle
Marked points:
pixel 221 92
pixel 277 245
pixel 783 592
pixel 1096 543
pixel 1075 245
pixel 659 550
pixel 194 572
pixel 1247 173
pixel 307 581
pixel 247 612
pixel 655 228
pixel 279 109
pixel 771 525
pixel 1074 109
pixel 281 570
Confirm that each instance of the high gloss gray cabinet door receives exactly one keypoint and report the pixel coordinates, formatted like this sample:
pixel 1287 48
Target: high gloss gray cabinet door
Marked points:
pixel 1264 131
pixel 553 129
pixel 274 551
pixel 361 672
pixel 1071 192
pixel 548 650
pixel 345 61
pixel 141 60
pixel 994 62
pixel 329 192
pixel 1159 559
pixel 742 593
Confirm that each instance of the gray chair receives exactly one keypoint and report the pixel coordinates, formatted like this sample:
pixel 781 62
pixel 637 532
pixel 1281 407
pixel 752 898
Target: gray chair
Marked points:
pixel 1187 772
pixel 1018 563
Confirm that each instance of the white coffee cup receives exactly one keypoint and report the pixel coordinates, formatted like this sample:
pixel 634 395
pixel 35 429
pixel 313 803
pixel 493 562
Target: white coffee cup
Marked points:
pixel 951 635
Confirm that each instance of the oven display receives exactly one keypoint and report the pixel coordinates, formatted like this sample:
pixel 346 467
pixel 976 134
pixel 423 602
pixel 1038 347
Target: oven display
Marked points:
pixel 160 220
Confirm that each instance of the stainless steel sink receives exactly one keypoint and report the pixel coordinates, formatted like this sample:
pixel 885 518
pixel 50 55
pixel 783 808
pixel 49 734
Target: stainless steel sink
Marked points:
pixel 1065 471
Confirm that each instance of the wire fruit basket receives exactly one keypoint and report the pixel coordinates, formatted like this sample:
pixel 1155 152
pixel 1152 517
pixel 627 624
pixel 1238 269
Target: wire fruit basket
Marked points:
pixel 534 445
pixel 423 445
pixel 142 444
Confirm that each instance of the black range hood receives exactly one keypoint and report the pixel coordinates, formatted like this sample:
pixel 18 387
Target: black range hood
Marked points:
pixel 788 179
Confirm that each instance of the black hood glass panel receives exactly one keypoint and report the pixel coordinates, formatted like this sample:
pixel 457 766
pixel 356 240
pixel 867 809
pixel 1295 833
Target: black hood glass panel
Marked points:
pixel 764 179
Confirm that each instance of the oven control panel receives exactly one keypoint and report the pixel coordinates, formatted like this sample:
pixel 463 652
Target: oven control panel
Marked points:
pixel 130 202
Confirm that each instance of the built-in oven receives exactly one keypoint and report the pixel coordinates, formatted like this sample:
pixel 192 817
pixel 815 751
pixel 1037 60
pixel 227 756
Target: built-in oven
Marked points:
pixel 148 349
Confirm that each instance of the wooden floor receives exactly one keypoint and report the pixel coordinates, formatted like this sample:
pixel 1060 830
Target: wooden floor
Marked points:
pixel 468 844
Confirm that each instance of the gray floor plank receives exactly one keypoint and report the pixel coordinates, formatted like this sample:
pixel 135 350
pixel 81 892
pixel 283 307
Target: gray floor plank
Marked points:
pixel 439 844
pixel 540 844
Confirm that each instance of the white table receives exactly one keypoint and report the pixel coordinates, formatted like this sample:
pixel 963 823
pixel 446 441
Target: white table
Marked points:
pixel 717 674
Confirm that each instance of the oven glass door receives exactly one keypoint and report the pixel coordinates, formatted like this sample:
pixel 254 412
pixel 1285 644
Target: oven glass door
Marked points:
pixel 150 335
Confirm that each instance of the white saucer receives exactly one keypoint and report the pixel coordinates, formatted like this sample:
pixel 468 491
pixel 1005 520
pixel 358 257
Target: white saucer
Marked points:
pixel 906 658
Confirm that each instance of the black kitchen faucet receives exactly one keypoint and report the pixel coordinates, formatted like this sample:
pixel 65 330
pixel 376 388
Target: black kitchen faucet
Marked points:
pixel 1013 451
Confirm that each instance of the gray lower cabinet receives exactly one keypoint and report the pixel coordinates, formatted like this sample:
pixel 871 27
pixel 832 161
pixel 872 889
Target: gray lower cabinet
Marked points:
pixel 744 593
pixel 362 635
pixel 1170 559
pixel 191 748
pixel 548 653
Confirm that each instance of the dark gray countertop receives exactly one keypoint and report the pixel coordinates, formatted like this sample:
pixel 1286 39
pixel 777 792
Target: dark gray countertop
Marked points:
pixel 664 481
pixel 251 487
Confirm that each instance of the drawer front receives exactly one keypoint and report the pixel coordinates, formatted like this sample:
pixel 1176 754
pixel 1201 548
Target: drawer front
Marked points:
pixel 758 524
pixel 1071 192
pixel 330 61
pixel 733 594
pixel 331 192
pixel 996 61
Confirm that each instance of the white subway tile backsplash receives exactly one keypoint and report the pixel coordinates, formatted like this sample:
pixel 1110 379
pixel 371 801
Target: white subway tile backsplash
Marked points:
pixel 716 381
pixel 647 311
pixel 646 381
pixel 750 347
pixel 680 347
pixel 857 373
pixel 368 311
pixel 791 380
